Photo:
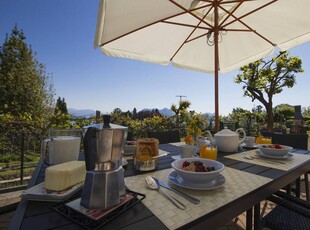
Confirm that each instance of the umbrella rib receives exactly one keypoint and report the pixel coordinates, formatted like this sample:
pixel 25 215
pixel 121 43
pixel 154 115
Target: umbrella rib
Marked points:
pixel 240 3
pixel 190 11
pixel 187 39
pixel 161 20
pixel 254 31
pixel 251 12
pixel 187 25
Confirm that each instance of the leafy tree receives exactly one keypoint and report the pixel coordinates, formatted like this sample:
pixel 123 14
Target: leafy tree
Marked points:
pixel 61 117
pixel 61 105
pixel 306 111
pixel 26 95
pixel 283 112
pixel 263 79
pixel 180 112
pixel 134 113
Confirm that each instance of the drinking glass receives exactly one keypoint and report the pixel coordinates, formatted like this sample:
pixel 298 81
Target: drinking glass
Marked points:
pixel 210 152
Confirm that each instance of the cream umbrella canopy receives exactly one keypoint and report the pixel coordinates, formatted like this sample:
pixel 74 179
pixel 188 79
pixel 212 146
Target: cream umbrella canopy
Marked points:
pixel 207 36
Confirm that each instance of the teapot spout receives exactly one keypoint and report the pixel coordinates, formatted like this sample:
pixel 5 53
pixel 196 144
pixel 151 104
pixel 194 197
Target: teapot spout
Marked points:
pixel 209 135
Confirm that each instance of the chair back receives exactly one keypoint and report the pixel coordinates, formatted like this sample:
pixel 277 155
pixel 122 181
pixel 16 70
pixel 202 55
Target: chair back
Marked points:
pixel 165 137
pixel 233 126
pixel 297 141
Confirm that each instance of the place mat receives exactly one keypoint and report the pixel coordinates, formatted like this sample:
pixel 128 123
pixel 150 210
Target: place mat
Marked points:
pixel 160 153
pixel 237 184
pixel 283 164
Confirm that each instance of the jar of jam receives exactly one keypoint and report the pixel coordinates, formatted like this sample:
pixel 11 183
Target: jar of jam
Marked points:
pixel 146 152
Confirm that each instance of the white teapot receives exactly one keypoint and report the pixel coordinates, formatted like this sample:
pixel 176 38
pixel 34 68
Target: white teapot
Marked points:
pixel 227 140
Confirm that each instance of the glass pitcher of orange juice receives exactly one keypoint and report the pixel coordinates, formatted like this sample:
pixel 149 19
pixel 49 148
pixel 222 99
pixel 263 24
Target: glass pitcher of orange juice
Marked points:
pixel 208 152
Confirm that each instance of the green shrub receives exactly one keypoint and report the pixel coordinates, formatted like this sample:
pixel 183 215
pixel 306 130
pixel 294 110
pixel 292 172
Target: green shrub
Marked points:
pixel 7 158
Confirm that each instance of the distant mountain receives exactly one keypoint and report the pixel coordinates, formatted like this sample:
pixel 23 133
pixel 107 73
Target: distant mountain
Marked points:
pixel 165 112
pixel 86 113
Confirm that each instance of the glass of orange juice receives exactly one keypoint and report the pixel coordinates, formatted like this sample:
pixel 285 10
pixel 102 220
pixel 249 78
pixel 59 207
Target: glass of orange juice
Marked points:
pixel 208 152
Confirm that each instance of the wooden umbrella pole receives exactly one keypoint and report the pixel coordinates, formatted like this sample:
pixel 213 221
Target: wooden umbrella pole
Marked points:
pixel 216 65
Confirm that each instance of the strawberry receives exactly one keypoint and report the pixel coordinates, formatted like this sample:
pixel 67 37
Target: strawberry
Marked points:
pixel 277 146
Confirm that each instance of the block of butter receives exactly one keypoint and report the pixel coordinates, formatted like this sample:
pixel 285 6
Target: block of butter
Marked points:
pixel 63 176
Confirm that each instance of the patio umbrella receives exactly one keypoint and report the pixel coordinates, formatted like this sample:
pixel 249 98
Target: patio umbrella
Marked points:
pixel 208 35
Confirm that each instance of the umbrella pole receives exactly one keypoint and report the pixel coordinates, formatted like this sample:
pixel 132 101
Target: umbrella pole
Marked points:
pixel 216 65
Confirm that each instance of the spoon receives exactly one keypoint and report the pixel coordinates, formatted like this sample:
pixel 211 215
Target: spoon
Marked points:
pixel 153 185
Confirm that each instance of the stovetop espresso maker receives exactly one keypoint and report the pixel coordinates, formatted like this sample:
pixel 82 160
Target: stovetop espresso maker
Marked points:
pixel 104 183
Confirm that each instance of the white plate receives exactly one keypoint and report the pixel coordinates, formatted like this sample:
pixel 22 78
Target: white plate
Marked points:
pixel 286 157
pixel 175 179
pixel 243 145
pixel 178 157
pixel 38 192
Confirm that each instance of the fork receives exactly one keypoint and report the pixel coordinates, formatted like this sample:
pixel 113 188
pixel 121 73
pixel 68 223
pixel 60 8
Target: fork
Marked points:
pixel 251 157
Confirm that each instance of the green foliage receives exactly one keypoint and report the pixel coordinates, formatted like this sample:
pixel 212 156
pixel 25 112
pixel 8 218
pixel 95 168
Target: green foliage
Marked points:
pixel 9 157
pixel 26 95
pixel 289 122
pixel 181 112
pixel 61 117
pixel 196 123
pixel 306 111
pixel 157 123
pixel 307 117
pixel 283 112
pixel 245 118
pixel 61 105
pixel 263 79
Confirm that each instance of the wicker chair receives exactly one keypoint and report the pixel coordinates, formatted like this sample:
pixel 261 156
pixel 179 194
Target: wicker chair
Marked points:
pixel 297 141
pixel 166 136
pixel 291 213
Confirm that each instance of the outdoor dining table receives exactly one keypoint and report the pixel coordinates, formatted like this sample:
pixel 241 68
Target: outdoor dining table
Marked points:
pixel 248 182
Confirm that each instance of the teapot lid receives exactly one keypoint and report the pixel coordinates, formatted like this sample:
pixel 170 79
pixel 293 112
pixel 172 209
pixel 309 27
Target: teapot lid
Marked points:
pixel 226 132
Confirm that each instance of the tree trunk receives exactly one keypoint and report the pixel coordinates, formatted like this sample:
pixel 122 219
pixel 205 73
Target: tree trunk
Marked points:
pixel 269 117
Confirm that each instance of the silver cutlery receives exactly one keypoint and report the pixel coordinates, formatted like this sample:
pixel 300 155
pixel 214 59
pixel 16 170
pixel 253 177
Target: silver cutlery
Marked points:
pixel 184 195
pixel 251 157
pixel 154 185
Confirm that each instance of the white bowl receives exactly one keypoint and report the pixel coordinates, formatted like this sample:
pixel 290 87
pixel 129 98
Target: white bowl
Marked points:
pixel 198 177
pixel 270 150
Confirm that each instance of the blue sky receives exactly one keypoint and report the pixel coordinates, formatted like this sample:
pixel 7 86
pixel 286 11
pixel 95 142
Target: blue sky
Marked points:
pixel 62 33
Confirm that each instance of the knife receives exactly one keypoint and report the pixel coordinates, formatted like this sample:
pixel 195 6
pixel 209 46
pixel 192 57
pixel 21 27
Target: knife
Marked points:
pixel 186 196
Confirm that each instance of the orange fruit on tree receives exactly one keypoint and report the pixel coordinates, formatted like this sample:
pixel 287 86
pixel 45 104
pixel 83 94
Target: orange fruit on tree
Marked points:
pixel 188 139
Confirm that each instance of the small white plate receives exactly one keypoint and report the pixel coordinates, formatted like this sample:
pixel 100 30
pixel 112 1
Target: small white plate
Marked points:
pixel 248 147
pixel 175 179
pixel 38 192
pixel 286 157
pixel 177 157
